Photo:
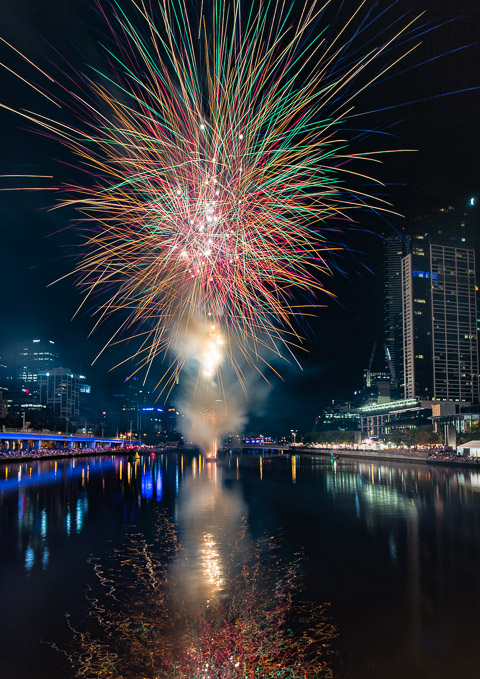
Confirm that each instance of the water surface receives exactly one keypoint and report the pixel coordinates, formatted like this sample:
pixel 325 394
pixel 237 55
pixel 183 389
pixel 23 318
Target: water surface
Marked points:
pixel 394 548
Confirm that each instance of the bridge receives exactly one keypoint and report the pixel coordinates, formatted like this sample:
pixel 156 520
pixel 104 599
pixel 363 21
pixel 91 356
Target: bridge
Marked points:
pixel 265 446
pixel 29 440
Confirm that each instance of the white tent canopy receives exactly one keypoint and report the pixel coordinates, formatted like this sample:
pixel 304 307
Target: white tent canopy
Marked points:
pixel 471 448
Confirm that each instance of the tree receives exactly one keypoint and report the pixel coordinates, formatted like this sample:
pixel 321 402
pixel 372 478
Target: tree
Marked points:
pixel 425 434
pixel 335 436
pixel 401 437
pixel 472 435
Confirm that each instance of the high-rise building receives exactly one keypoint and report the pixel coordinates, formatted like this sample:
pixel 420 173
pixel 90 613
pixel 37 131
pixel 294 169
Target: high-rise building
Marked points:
pixel 38 356
pixel 395 250
pixel 416 318
pixel 451 225
pixel 60 390
pixel 454 323
pixel 439 318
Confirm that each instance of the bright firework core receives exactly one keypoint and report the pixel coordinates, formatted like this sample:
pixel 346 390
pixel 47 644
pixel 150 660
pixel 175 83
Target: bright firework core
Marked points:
pixel 211 354
pixel 208 212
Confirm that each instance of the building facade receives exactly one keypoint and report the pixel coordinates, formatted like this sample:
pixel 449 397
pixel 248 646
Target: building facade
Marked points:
pixel 59 390
pixel 395 250
pixel 378 420
pixel 454 323
pixel 416 323
pixel 38 356
pixel 439 322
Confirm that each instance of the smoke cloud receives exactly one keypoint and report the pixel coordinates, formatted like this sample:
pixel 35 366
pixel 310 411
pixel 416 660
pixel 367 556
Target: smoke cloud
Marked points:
pixel 210 396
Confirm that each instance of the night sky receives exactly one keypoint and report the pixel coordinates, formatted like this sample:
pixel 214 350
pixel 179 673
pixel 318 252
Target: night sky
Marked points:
pixel 36 247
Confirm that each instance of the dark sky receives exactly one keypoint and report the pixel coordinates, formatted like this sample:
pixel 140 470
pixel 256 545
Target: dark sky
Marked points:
pixel 445 169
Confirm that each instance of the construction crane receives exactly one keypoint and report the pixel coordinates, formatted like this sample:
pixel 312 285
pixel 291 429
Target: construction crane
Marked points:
pixel 391 367
pixel 368 372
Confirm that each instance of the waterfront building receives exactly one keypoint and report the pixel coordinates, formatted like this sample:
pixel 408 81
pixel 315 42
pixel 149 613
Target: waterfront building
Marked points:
pixel 462 420
pixel 381 419
pixel 454 323
pixel 439 308
pixel 59 390
pixel 439 316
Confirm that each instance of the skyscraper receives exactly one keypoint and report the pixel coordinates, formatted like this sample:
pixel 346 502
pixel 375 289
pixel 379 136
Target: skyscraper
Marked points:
pixel 417 322
pixel 35 357
pixel 454 323
pixel 395 250
pixel 439 313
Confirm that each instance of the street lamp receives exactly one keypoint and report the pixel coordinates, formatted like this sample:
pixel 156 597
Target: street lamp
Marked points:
pixel 294 436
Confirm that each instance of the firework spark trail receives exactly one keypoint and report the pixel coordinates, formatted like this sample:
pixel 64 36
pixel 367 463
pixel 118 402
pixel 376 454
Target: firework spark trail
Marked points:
pixel 216 166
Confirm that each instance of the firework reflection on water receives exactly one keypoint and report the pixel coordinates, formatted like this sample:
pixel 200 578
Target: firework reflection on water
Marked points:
pixel 210 522
pixel 200 598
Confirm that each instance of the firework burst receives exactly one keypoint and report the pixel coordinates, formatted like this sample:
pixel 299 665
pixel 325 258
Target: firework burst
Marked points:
pixel 217 166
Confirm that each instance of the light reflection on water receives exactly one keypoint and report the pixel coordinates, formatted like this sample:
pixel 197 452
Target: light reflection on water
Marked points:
pixel 209 519
pixel 411 531
pixel 32 483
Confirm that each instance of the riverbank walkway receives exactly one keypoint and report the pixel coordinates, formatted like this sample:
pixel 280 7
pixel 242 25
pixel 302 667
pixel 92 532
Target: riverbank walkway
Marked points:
pixel 425 456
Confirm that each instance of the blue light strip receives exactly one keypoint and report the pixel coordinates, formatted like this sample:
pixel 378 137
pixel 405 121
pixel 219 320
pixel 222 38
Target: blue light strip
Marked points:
pixel 17 436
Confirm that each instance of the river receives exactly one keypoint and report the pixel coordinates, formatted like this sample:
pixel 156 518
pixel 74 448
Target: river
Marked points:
pixel 392 549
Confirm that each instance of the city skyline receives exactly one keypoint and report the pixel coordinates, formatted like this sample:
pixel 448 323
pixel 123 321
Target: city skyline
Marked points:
pixel 239 347
pixel 443 171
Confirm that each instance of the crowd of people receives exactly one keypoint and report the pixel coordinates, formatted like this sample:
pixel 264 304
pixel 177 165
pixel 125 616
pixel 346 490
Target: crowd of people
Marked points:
pixel 450 455
pixel 407 452
pixel 432 455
